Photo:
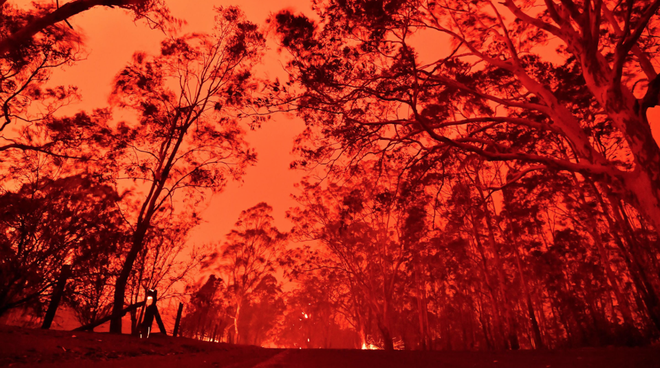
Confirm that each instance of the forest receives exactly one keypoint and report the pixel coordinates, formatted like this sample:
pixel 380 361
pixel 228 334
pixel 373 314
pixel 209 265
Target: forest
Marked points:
pixel 500 194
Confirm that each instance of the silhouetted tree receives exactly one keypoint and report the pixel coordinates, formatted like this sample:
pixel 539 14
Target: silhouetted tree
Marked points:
pixel 371 225
pixel 492 114
pixel 207 311
pixel 248 257
pixel 261 312
pixel 46 18
pixel 28 106
pixel 314 316
pixel 495 90
pixel 48 223
pixel 165 263
pixel 187 139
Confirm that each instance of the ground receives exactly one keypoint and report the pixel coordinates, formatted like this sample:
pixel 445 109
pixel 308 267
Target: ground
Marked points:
pixel 20 347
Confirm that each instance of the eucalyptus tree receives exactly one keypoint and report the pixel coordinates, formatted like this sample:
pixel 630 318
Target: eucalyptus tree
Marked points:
pixel 248 259
pixel 48 223
pixel 370 224
pixel 315 314
pixel 26 105
pixel 493 87
pixel 207 311
pixel 186 140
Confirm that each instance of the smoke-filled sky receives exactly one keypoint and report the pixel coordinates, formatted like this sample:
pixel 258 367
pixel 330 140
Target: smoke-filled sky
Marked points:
pixel 111 39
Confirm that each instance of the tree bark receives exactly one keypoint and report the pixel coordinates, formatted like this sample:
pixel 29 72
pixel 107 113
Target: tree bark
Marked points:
pixel 512 333
pixel 593 231
pixel 636 268
pixel 120 284
pixel 421 311
pixel 236 316
pixel 177 323
pixel 388 342
pixel 498 341
pixel 536 331
pixel 57 296
pixel 641 186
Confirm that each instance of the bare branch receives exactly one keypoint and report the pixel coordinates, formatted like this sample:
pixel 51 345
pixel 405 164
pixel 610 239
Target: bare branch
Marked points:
pixel 642 58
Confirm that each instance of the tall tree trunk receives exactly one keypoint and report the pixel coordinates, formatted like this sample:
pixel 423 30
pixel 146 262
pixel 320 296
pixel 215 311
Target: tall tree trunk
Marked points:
pixel 512 333
pixel 592 230
pixel 636 266
pixel 421 310
pixel 488 336
pixel 236 316
pixel 629 255
pixel 120 284
pixel 498 325
pixel 386 334
pixel 641 186
pixel 134 322
pixel 536 331
pixel 149 208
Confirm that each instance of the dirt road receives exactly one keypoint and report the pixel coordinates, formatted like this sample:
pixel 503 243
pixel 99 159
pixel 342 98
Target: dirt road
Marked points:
pixel 58 349
pixel 270 358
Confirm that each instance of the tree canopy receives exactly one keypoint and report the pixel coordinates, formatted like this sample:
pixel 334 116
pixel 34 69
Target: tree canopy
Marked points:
pixel 541 86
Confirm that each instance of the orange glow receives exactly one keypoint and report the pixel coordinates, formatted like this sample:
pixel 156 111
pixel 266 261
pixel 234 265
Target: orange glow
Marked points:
pixel 366 346
pixel 111 39
pixel 457 249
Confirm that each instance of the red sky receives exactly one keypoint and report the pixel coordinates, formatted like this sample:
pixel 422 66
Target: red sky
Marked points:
pixel 111 39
